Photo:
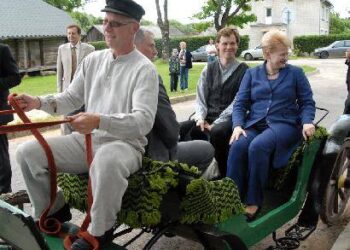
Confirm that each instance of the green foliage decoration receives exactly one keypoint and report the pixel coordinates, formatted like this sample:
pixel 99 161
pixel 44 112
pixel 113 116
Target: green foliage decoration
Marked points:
pixel 278 177
pixel 143 198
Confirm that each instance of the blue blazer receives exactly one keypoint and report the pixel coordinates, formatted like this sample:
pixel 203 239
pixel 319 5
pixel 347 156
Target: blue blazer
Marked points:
pixel 285 103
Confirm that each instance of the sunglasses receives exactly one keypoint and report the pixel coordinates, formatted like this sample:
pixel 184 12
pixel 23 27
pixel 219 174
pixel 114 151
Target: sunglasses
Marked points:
pixel 114 24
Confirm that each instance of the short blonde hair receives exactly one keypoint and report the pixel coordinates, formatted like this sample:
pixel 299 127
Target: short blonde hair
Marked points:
pixel 183 44
pixel 272 39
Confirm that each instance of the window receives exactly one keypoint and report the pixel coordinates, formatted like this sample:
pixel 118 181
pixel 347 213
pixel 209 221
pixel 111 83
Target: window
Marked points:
pixel 268 18
pixel 268 12
pixel 339 44
pixel 347 43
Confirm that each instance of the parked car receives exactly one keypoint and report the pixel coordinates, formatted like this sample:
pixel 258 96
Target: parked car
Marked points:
pixel 252 54
pixel 336 49
pixel 256 53
pixel 200 54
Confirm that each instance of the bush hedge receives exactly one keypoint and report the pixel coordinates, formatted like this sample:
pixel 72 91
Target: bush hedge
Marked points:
pixel 193 43
pixel 307 44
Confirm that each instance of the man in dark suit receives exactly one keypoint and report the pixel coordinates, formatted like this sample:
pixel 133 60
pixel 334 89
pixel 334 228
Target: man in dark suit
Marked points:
pixel 163 142
pixel 9 77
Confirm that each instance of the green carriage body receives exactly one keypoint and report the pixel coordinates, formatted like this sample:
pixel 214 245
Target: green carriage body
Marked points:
pixel 229 234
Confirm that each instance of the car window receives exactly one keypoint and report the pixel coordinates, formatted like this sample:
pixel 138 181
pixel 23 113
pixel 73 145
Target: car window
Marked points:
pixel 258 47
pixel 339 44
pixel 347 43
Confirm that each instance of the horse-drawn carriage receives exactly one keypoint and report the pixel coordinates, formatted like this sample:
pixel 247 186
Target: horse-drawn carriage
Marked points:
pixel 168 199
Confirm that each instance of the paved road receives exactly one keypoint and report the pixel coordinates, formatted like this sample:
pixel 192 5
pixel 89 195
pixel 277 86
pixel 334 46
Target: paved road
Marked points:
pixel 329 92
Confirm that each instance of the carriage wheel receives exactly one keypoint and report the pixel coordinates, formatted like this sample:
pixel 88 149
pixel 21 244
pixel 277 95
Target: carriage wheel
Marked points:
pixel 336 196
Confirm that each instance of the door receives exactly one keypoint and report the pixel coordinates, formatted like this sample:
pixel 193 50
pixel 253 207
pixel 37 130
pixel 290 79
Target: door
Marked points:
pixel 34 53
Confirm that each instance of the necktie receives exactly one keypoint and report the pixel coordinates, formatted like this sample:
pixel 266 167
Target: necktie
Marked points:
pixel 74 61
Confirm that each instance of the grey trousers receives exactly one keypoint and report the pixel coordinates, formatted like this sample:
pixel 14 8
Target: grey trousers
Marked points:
pixel 114 161
pixel 195 153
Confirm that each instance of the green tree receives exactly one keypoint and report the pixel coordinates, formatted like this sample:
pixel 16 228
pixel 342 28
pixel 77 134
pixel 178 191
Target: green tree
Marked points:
pixel 225 12
pixel 145 22
pixel 186 29
pixel 66 5
pixel 338 25
pixel 84 20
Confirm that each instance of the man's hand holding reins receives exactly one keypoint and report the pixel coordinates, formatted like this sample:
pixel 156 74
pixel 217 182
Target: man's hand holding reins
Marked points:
pixel 27 102
pixel 84 123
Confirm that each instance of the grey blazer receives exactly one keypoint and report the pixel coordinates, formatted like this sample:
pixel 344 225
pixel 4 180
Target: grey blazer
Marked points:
pixel 64 63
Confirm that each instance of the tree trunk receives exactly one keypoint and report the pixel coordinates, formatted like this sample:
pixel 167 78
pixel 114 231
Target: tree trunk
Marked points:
pixel 164 28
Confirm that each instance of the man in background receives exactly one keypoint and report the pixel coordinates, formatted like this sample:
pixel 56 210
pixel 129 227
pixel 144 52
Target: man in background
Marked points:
pixel 9 77
pixel 69 57
pixel 163 142
pixel 216 90
pixel 211 51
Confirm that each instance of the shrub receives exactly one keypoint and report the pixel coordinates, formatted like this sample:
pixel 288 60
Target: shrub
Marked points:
pixel 99 45
pixel 307 44
pixel 193 43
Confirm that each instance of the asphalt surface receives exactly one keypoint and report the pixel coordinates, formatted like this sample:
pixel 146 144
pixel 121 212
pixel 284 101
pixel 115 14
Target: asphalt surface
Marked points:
pixel 329 89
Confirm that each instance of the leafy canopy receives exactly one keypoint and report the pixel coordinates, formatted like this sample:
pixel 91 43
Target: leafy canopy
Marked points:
pixel 66 5
pixel 224 13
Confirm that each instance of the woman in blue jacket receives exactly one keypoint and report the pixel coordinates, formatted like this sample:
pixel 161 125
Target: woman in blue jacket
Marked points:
pixel 274 108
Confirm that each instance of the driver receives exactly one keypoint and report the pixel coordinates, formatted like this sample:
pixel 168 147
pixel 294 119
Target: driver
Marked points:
pixel 120 109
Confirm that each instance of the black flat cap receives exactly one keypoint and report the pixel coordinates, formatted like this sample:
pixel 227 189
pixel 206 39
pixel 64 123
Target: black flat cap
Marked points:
pixel 125 7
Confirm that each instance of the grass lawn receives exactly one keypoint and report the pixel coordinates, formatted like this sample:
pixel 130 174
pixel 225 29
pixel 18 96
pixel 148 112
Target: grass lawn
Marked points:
pixel 36 85
pixel 42 85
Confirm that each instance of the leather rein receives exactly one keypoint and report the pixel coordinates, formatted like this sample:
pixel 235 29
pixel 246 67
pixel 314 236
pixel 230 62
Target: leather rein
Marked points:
pixel 52 226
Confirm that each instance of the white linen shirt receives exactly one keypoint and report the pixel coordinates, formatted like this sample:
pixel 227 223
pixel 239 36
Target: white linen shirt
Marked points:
pixel 124 91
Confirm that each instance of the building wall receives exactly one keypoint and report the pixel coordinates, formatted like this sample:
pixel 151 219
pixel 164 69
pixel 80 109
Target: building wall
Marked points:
pixel 94 35
pixel 35 54
pixel 307 18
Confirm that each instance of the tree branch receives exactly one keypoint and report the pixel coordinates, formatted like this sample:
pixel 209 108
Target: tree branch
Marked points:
pixel 239 7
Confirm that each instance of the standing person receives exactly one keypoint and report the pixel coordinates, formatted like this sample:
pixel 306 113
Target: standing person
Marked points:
pixel 174 69
pixel 211 51
pixel 185 64
pixel 216 90
pixel 347 102
pixel 9 77
pixel 163 142
pixel 119 87
pixel 69 57
pixel 274 109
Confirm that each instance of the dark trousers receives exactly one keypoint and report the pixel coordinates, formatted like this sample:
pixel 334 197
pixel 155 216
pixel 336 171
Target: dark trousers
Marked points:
pixel 251 175
pixel 347 105
pixel 174 78
pixel 219 137
pixel 183 77
pixel 5 166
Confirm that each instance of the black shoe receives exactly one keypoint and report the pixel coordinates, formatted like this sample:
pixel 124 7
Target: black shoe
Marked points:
pixel 104 240
pixel 5 191
pixel 251 217
pixel 63 214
